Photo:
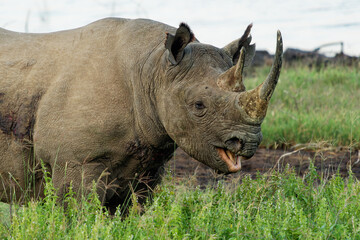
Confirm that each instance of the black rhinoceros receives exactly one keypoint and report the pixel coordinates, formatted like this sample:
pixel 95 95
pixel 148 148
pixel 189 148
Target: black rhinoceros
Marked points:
pixel 107 103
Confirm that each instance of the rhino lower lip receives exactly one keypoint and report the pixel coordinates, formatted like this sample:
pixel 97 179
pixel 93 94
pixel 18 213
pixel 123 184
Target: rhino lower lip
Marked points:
pixel 232 161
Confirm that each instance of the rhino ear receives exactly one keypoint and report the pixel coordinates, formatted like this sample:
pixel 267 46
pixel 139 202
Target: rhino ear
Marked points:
pixel 176 44
pixel 233 48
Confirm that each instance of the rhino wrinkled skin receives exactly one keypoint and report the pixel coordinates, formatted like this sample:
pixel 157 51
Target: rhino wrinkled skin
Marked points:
pixel 107 103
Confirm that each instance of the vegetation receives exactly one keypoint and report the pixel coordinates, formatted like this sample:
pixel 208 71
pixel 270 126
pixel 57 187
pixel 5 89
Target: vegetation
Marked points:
pixel 278 206
pixel 309 105
pixel 312 105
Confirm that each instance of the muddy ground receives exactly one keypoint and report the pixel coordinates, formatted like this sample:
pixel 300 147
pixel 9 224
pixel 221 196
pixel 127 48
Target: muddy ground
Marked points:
pixel 327 161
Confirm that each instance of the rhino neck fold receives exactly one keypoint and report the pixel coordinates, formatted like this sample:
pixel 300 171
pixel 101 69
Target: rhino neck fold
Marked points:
pixel 145 90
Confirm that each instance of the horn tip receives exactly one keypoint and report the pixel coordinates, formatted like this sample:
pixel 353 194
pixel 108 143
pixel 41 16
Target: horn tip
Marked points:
pixel 279 37
pixel 279 42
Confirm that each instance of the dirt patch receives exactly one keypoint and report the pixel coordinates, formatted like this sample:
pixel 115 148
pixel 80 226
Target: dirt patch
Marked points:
pixel 328 162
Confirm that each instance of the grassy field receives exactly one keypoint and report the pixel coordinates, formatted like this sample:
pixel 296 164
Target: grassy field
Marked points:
pixel 277 206
pixel 312 105
pixel 309 106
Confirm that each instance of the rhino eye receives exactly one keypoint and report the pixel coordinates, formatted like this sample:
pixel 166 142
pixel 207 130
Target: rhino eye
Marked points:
pixel 199 105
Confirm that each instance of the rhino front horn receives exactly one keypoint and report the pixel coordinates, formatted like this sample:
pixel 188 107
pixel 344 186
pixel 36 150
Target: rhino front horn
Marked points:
pixel 255 101
pixel 269 85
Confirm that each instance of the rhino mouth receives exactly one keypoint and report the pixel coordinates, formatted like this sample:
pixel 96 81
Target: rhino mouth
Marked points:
pixel 232 160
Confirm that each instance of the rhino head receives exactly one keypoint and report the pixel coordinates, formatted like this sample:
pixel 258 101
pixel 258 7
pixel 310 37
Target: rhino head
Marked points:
pixel 205 107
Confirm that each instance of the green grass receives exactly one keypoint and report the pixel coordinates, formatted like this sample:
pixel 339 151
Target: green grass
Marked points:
pixel 4 217
pixel 277 206
pixel 312 105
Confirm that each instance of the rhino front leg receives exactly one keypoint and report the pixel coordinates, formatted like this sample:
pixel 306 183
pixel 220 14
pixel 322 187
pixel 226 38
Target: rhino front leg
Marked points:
pixel 81 177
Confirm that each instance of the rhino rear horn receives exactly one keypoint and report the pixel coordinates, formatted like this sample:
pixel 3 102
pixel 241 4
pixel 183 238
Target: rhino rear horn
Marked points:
pixel 242 53
pixel 232 79
pixel 176 44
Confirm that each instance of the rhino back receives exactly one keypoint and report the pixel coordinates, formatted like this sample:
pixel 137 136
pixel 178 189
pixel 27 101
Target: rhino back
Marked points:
pixel 84 60
pixel 29 64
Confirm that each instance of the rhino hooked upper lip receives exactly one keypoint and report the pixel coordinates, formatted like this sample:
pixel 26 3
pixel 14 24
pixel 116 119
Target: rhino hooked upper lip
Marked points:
pixel 233 161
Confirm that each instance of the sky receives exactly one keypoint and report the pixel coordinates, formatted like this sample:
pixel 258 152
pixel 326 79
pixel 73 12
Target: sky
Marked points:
pixel 305 24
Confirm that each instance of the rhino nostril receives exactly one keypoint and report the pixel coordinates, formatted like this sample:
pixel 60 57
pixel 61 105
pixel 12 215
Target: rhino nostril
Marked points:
pixel 235 144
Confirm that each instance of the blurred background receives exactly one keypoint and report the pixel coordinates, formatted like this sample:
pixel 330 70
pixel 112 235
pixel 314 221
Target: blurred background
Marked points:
pixel 305 24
